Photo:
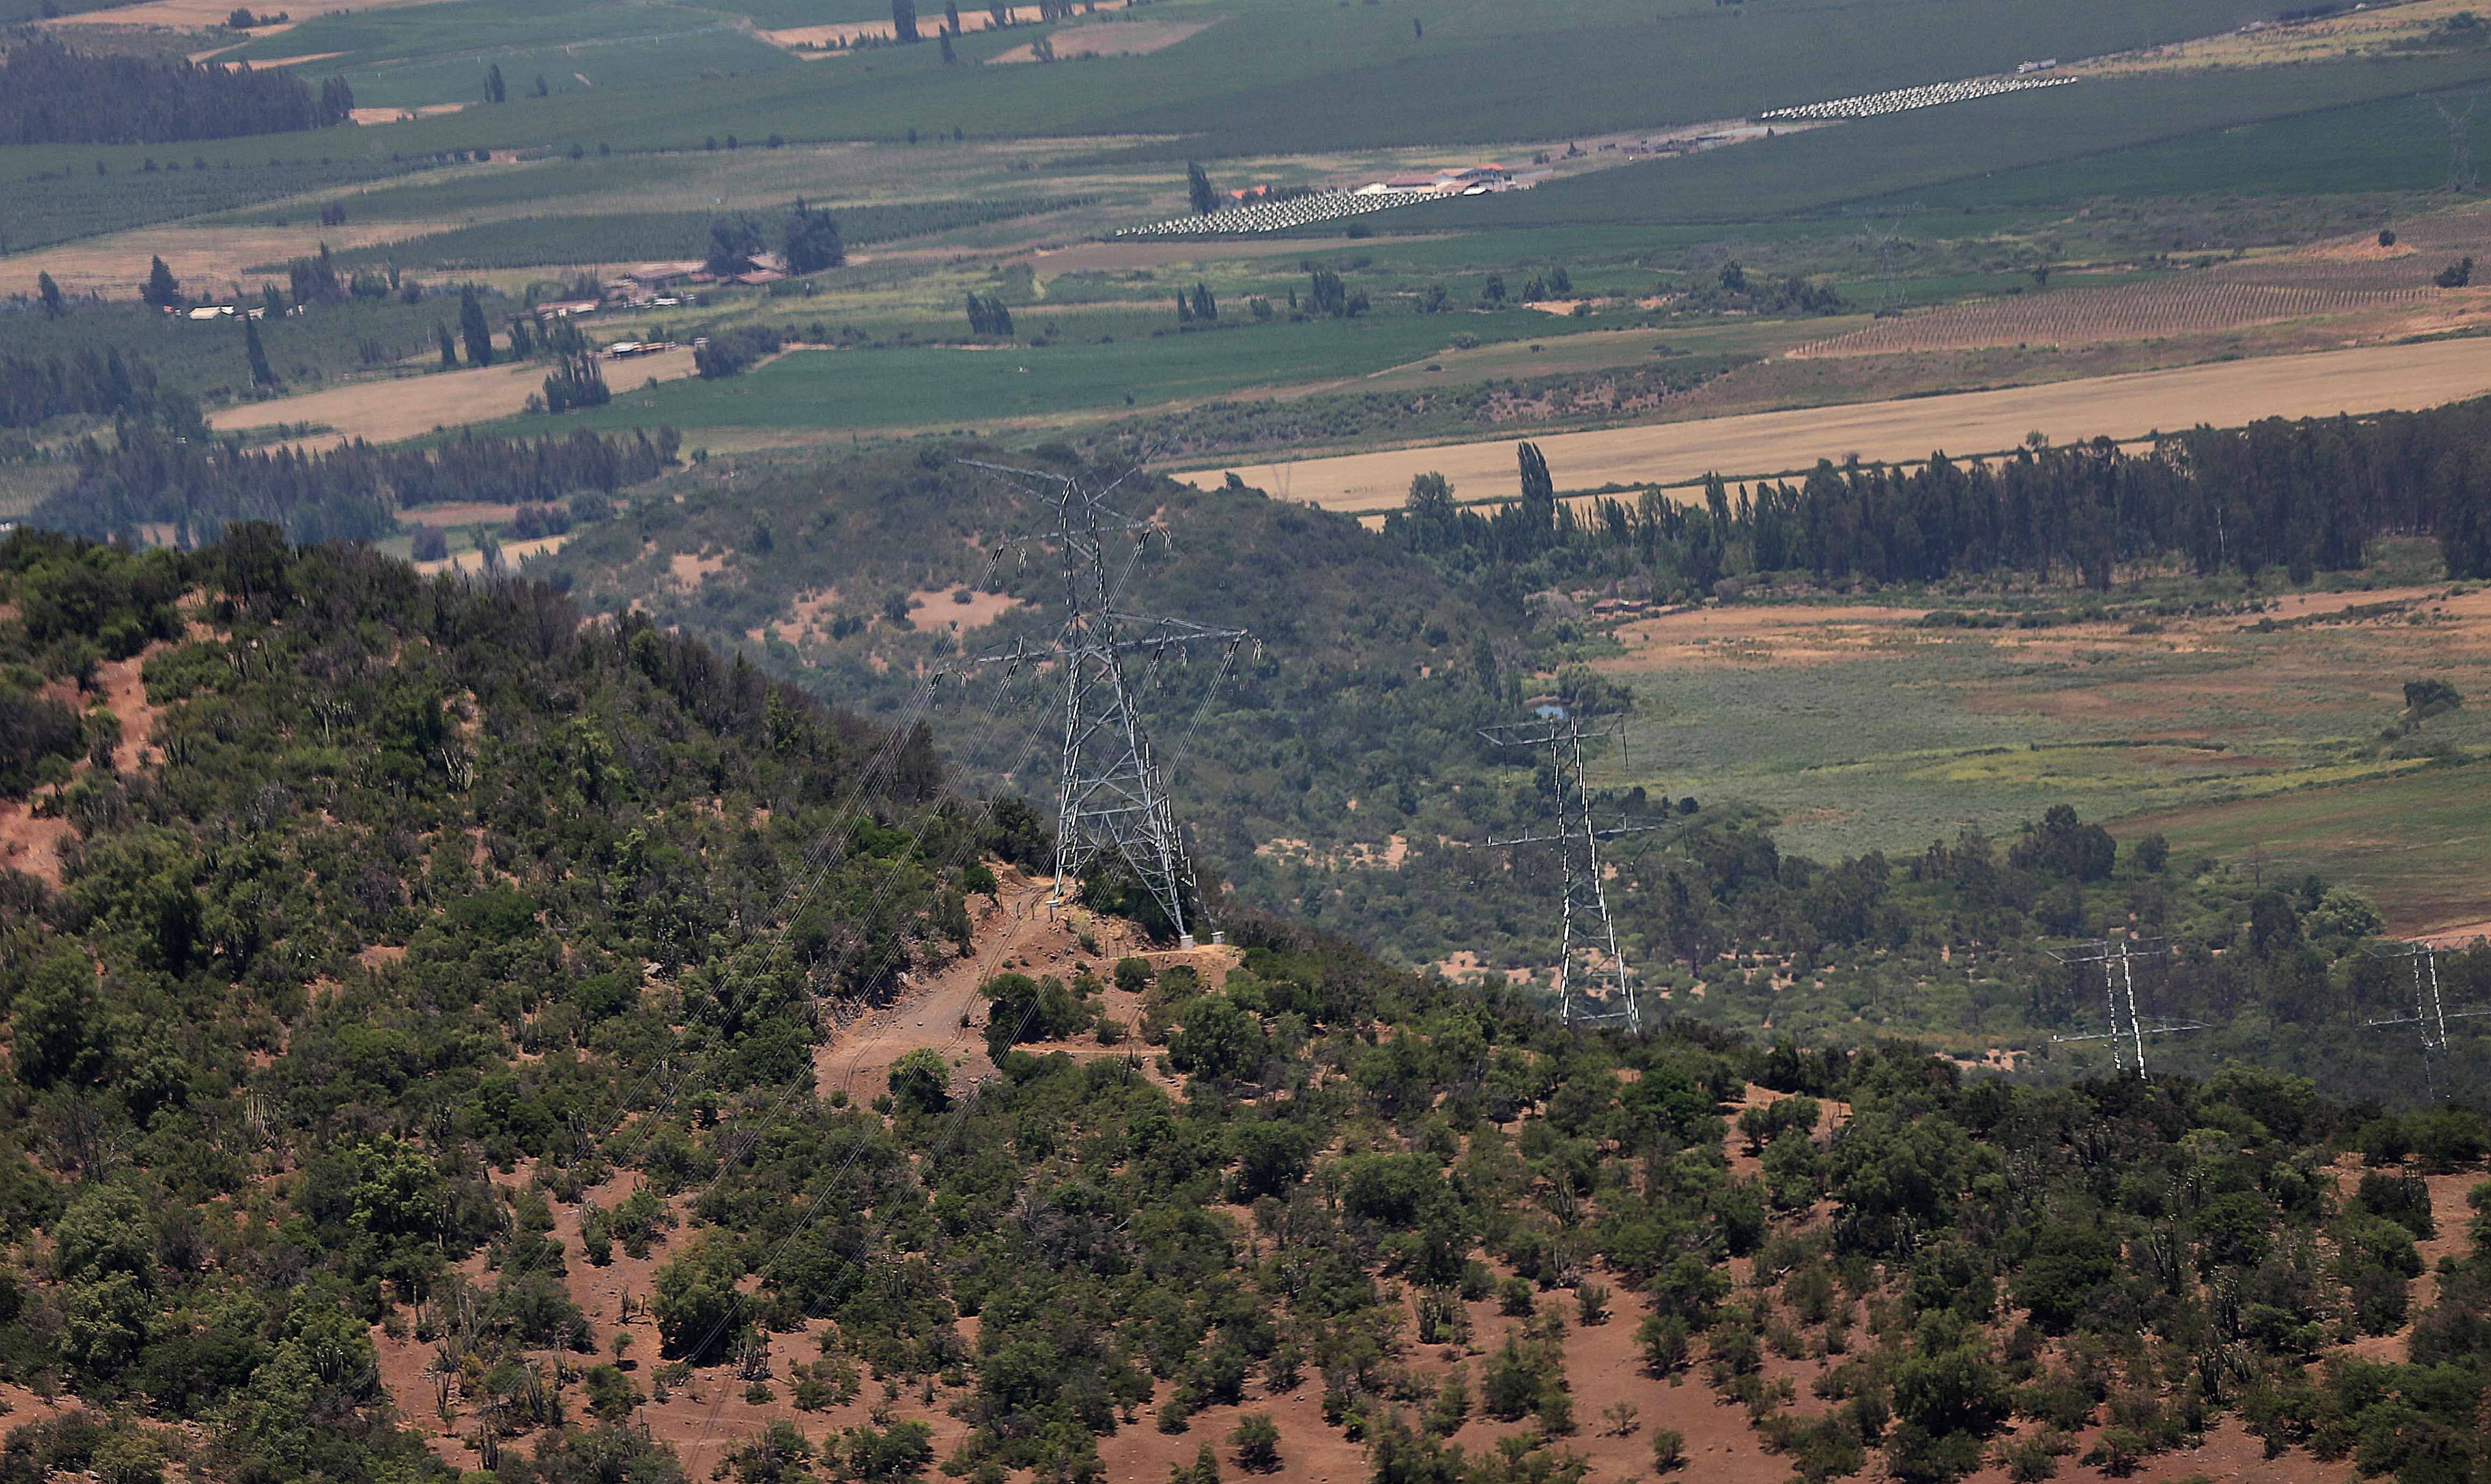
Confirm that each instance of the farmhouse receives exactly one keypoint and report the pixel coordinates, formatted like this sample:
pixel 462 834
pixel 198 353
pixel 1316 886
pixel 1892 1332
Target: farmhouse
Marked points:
pixel 653 277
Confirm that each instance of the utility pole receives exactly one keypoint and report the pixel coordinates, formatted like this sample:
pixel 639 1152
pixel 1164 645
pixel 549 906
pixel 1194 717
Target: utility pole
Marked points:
pixel 1113 796
pixel 2430 1015
pixel 2460 142
pixel 2127 1029
pixel 1593 983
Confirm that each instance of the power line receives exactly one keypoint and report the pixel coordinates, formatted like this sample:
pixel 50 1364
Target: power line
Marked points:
pixel 2460 142
pixel 1112 797
pixel 1594 982
pixel 2430 1013
pixel 2127 1027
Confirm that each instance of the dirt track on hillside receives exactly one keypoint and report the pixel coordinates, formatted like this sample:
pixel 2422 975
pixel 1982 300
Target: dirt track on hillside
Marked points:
pixel 2229 394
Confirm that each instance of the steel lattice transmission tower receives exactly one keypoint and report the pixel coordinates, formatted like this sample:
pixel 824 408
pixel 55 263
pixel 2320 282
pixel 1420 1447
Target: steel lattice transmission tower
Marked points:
pixel 1595 985
pixel 2460 142
pixel 1113 794
pixel 2430 1015
pixel 2127 1027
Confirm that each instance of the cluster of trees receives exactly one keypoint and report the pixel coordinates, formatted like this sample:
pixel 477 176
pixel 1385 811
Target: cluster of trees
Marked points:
pixel 51 94
pixel 1555 283
pixel 730 352
pixel 809 241
pixel 1196 306
pixel 1734 288
pixel 530 809
pixel 2304 496
pixel 1327 295
pixel 167 473
pixel 575 382
pixel 34 389
pixel 989 316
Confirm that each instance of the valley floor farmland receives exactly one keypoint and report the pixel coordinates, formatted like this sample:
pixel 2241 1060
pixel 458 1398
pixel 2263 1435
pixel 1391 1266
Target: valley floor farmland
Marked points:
pixel 2251 734
pixel 385 411
pixel 2370 379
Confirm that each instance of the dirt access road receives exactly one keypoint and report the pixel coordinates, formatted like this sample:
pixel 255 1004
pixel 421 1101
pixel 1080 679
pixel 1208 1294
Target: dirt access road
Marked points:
pixel 1018 931
pixel 2226 394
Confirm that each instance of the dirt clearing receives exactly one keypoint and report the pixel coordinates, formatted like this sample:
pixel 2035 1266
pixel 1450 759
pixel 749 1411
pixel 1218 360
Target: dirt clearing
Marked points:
pixel 395 115
pixel 386 411
pixel 207 260
pixel 1126 38
pixel 960 609
pixel 2231 393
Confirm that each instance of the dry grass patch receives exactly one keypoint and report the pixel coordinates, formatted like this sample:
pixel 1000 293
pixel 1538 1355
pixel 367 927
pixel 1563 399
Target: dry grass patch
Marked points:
pixel 2226 394
pixel 960 609
pixel 1123 39
pixel 207 259
pixel 388 410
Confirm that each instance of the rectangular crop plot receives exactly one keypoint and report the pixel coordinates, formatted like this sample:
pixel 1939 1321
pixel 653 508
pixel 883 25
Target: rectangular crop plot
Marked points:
pixel 1903 100
pixel 1283 216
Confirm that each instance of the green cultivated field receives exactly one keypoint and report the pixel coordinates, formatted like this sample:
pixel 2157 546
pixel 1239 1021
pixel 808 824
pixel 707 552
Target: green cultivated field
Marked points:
pixel 697 48
pixel 440 53
pixel 836 390
pixel 328 342
pixel 1274 78
pixel 2393 144
pixel 2205 729
pixel 532 241
pixel 54 194
pixel 1820 169
pixel 2417 843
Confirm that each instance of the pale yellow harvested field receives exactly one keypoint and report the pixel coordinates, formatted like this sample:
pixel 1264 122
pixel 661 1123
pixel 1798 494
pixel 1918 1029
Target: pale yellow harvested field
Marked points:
pixel 1120 39
pixel 210 14
pixel 385 411
pixel 207 260
pixel 2369 379
pixel 396 115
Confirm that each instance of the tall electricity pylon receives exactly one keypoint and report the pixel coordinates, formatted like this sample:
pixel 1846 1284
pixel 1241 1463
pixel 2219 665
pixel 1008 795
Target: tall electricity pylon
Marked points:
pixel 2127 1029
pixel 2430 1016
pixel 2460 142
pixel 1591 969
pixel 1113 796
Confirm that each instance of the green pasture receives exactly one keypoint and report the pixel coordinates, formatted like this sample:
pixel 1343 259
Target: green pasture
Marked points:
pixel 330 341
pixel 1274 78
pixel 2417 843
pixel 2398 143
pixel 702 48
pixel 1877 159
pixel 464 28
pixel 12 11
pixel 840 391
pixel 54 194
pixel 535 242
pixel 1927 732
pixel 782 14
pixel 440 53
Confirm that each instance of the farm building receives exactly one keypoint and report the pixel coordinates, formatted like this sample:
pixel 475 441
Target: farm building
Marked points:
pixel 652 277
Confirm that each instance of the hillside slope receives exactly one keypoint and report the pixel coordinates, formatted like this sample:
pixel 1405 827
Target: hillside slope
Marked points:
pixel 444 1012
